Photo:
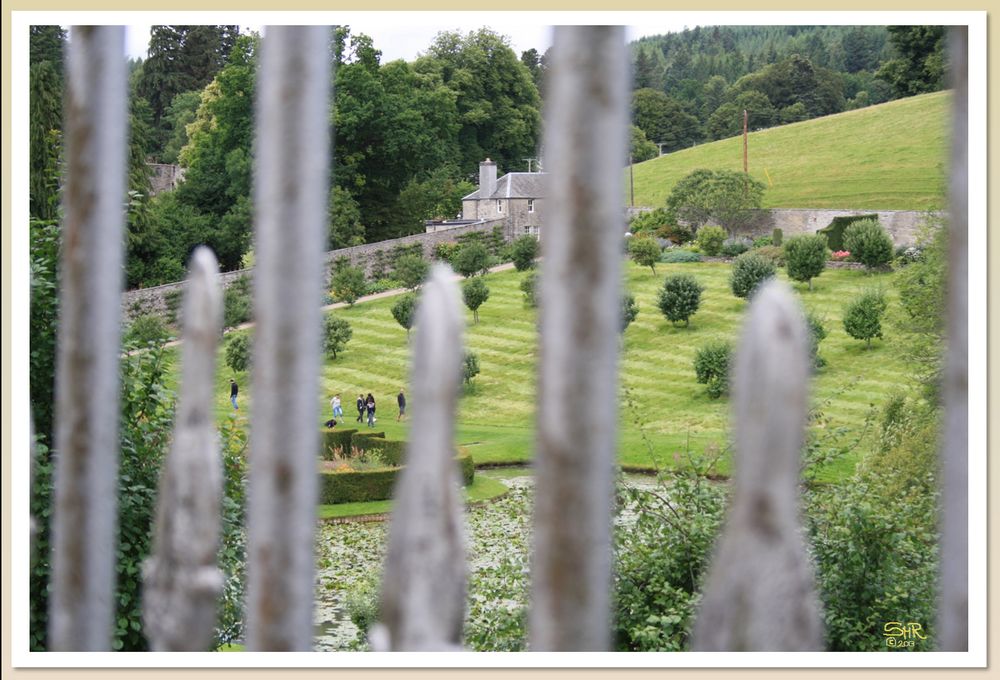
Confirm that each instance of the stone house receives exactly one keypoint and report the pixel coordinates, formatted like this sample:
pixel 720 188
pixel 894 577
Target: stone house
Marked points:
pixel 517 200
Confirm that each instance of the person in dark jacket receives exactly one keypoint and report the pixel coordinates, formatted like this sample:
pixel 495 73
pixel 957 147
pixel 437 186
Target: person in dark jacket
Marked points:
pixel 401 402
pixel 234 390
pixel 370 406
pixel 361 408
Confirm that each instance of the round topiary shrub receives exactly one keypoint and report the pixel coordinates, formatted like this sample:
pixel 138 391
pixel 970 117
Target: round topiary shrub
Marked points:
pixel 868 243
pixel 710 239
pixel 805 257
pixel 711 367
pixel 863 316
pixel 680 297
pixel 523 252
pixel 749 271
pixel 644 251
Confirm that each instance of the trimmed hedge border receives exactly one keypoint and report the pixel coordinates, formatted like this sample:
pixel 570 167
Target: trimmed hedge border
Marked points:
pixel 371 485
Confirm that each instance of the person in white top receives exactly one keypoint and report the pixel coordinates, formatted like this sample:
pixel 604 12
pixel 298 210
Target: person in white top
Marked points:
pixel 338 412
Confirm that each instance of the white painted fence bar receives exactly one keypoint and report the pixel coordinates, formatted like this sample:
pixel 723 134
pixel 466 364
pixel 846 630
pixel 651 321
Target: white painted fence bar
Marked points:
pixel 86 432
pixel 290 194
pixel 181 582
pixel 953 609
pixel 585 131
pixel 760 593
pixel 423 585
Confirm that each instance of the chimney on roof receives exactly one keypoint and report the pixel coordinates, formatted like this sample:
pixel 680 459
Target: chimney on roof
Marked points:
pixel 487 178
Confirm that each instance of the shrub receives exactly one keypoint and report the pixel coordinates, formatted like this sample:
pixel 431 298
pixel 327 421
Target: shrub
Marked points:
pixel 523 252
pixel 336 334
pixel 239 350
pixel 172 299
pixel 728 198
pixel 146 329
pixel 711 367
pixel 411 270
pixel 749 271
pixel 710 239
pixel 362 606
pixel 806 257
pixel 348 284
pixel 470 367
pixel 732 249
pixel 834 232
pixel 863 316
pixel 529 286
pixel 237 305
pixel 471 259
pixel 676 255
pixel 909 254
pixel 817 332
pixel 446 251
pixel 776 254
pixel 383 284
pixel 404 310
pixel 649 221
pixel 680 297
pixel 644 251
pixel 630 310
pixel 475 292
pixel 869 243
pixel 761 241
pixel 777 236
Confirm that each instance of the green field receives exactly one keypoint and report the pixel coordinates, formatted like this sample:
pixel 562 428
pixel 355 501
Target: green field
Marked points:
pixel 667 412
pixel 886 157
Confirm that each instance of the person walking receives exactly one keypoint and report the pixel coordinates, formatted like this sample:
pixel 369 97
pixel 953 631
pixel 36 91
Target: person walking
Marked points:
pixel 361 408
pixel 338 412
pixel 370 406
pixel 401 402
pixel 234 390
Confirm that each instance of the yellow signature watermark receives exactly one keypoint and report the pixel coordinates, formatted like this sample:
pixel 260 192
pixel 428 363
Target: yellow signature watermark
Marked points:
pixel 900 635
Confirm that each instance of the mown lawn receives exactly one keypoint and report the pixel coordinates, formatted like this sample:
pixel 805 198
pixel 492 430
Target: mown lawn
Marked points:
pixel 663 411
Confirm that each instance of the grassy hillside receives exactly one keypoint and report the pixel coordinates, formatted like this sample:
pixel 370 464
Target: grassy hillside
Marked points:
pixel 888 157
pixel 666 413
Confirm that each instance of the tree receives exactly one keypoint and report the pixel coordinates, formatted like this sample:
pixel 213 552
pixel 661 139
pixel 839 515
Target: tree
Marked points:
pixel 710 239
pixel 475 292
pixel 817 332
pixel 470 367
pixel 529 286
pixel 644 251
pixel 920 64
pixel 868 243
pixel 680 298
pixel 404 311
pixel 863 316
pixel 524 250
pixel 749 271
pixel 178 115
pixel 411 270
pixel 336 334
pixel 239 351
pixel 630 310
pixel 805 257
pixel 472 259
pixel 438 196
pixel 345 228
pixel 711 367
pixel 348 284
pixel 44 140
pixel 664 120
pixel 640 148
pixel 727 197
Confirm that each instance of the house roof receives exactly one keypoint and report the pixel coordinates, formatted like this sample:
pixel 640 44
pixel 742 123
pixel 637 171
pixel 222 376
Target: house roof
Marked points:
pixel 515 185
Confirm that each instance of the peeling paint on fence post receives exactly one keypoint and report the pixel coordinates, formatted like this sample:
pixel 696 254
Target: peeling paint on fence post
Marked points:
pixel 760 594
pixel 423 586
pixel 290 196
pixel 81 605
pixel 586 128
pixel 181 582
pixel 953 609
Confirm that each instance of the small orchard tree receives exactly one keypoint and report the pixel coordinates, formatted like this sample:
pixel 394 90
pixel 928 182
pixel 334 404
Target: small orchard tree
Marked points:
pixel 805 257
pixel 727 197
pixel 711 367
pixel 644 251
pixel 472 259
pixel 470 367
pixel 411 270
pixel 523 252
pixel 475 292
pixel 404 311
pixel 817 332
pixel 680 297
pixel 630 310
pixel 749 271
pixel 336 334
pixel 146 329
pixel 348 284
pixel 710 239
pixel 238 352
pixel 863 316
pixel 868 243
pixel 529 286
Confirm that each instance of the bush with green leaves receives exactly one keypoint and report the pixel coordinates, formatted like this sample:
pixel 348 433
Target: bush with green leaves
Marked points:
pixel 868 243
pixel 336 334
pixel 630 310
pixel 732 249
pixel 411 270
pixel 679 255
pixel 404 311
pixel 472 259
pixel 239 351
pixel 728 198
pixel 348 284
pixel 644 251
pixel 470 367
pixel 523 252
pixel 710 239
pixel 475 292
pixel 145 330
pixel 817 333
pixel 805 257
pixel 680 298
pixel 711 367
pixel 776 254
pixel 777 236
pixel 863 316
pixel 382 284
pixel 529 286
pixel 237 304
pixel 749 271
pixel 446 251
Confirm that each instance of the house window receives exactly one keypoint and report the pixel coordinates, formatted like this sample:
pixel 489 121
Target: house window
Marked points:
pixel 499 206
pixel 531 205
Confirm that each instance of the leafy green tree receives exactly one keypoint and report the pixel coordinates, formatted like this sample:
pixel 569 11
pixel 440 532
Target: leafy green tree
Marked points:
pixel 237 304
pixel 748 272
pixel 348 284
pixel 728 198
pixel 711 367
pixel 178 115
pixel 529 286
pixel 239 352
pixel 863 316
pixel 805 257
pixel 644 251
pixel 43 318
pixel 404 311
pixel 475 292
pixel 640 148
pixel 869 243
pixel 411 270
pixel 472 259
pixel 44 140
pixel 920 64
pixel 680 298
pixel 524 250
pixel 664 120
pixel 47 44
pixel 146 329
pixel 345 228
pixel 630 310
pixel 470 367
pixel 710 239
pixel 336 334
pixel 796 79
pixel 437 197
pixel 817 333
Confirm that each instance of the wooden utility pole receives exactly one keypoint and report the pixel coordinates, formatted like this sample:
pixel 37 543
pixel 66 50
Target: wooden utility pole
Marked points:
pixel 745 140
